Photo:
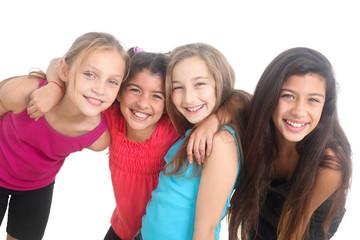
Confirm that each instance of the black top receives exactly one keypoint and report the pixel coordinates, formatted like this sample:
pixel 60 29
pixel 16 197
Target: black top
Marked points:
pixel 272 207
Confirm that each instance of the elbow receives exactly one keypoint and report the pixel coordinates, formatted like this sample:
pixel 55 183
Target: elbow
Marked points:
pixel 204 232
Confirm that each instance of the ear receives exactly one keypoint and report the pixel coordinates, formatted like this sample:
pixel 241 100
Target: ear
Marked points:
pixel 63 70
pixel 118 97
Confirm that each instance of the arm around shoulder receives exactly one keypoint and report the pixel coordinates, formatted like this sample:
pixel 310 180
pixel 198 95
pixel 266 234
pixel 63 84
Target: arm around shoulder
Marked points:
pixel 217 180
pixel 15 93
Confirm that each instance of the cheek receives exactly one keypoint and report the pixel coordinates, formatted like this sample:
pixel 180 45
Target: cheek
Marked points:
pixel 211 98
pixel 316 115
pixel 176 99
pixel 159 108
pixel 113 93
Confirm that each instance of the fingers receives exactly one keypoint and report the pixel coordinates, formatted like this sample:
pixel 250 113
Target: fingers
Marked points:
pixel 33 110
pixel 196 148
pixel 189 150
pixel 196 151
pixel 192 150
pixel 209 144
pixel 202 150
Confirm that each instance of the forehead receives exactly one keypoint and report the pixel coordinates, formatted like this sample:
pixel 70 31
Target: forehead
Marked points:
pixel 308 83
pixel 190 68
pixel 146 80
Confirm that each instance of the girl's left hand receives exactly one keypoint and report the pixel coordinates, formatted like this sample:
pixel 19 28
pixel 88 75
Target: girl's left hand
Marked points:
pixel 43 99
pixel 201 140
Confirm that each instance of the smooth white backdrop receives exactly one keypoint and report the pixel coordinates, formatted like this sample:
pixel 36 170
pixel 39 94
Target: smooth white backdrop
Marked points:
pixel 250 34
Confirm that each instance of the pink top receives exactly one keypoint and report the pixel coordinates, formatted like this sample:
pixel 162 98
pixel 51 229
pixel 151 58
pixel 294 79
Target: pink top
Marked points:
pixel 32 153
pixel 135 168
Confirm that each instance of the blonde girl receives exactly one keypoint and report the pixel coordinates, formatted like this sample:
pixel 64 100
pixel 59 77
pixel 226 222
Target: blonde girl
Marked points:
pixel 32 152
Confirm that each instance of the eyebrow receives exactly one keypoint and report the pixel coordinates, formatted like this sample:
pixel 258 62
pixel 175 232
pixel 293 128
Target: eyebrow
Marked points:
pixel 311 94
pixel 192 79
pixel 135 85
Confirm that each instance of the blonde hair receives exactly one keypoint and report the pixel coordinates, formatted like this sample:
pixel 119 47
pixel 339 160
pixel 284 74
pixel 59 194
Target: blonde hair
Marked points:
pixel 87 43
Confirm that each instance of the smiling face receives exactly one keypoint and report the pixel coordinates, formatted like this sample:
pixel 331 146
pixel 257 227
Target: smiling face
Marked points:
pixel 193 89
pixel 299 107
pixel 97 82
pixel 142 103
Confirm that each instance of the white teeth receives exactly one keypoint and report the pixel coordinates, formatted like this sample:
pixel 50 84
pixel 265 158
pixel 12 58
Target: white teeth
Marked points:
pixel 140 115
pixel 194 108
pixel 94 101
pixel 297 125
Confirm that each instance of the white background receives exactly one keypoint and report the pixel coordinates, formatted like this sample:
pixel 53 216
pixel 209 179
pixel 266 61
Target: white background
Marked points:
pixel 250 34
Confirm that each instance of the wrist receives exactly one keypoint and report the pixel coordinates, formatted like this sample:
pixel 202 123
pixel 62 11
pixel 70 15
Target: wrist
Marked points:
pixel 61 87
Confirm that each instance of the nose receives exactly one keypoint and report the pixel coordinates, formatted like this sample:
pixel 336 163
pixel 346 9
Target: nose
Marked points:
pixel 99 87
pixel 299 109
pixel 143 101
pixel 189 96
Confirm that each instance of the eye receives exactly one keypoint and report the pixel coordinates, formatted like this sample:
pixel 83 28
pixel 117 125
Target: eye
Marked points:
pixel 89 75
pixel 113 82
pixel 177 88
pixel 134 90
pixel 314 100
pixel 199 84
pixel 157 96
pixel 289 96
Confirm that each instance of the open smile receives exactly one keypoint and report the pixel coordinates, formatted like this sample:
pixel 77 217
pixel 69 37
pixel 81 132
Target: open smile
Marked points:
pixel 94 101
pixel 194 109
pixel 295 126
pixel 140 115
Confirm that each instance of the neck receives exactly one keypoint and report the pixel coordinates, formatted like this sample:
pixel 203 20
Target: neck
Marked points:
pixel 286 161
pixel 139 135
pixel 68 120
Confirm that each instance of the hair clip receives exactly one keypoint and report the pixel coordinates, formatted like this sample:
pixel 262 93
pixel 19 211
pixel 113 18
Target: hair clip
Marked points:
pixel 138 50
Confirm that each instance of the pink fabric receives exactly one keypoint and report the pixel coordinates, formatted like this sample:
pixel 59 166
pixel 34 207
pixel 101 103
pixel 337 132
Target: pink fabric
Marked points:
pixel 32 153
pixel 135 168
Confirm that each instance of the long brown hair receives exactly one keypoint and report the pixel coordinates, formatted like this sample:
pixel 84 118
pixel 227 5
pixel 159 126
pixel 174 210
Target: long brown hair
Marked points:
pixel 224 77
pixel 260 148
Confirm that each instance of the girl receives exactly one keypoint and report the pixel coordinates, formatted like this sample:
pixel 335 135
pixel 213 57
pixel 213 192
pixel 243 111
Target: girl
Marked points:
pixel 32 152
pixel 191 200
pixel 297 165
pixel 141 134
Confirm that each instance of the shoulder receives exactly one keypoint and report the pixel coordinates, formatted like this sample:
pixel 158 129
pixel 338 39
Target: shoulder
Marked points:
pixel 224 146
pixel 225 136
pixel 330 172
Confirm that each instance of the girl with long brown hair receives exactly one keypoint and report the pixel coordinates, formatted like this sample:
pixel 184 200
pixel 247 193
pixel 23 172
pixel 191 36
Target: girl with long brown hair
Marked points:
pixel 191 200
pixel 297 165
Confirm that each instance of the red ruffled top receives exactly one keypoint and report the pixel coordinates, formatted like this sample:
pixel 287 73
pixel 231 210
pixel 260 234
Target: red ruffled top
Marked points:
pixel 135 168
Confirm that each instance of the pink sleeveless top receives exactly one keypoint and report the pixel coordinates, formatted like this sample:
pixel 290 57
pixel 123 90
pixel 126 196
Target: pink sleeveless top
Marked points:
pixel 32 153
pixel 135 168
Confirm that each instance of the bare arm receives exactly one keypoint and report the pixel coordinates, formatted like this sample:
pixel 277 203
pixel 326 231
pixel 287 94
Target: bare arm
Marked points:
pixel 217 180
pixel 15 93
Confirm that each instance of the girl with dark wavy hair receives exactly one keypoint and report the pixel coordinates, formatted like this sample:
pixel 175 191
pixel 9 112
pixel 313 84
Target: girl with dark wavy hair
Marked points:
pixel 297 164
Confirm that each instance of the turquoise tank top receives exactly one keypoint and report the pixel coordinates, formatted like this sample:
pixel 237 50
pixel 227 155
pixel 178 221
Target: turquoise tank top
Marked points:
pixel 170 214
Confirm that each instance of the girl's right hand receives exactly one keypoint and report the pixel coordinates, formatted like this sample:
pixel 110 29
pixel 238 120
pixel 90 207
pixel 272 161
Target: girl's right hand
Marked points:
pixel 201 140
pixel 42 100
